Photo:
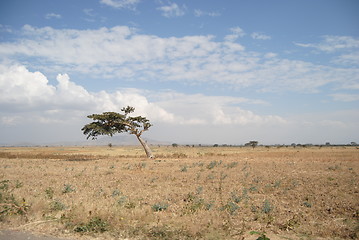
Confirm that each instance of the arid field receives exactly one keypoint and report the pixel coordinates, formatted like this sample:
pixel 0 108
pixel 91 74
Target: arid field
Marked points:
pixel 184 193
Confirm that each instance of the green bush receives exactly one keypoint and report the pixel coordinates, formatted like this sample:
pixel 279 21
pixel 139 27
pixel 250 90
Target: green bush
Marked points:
pixel 232 164
pixel 212 164
pixel 230 207
pixel 96 224
pixel 261 237
pixel 57 206
pixel 9 204
pixel 49 192
pixel 68 188
pixel 158 207
pixel 267 207
pixel 184 169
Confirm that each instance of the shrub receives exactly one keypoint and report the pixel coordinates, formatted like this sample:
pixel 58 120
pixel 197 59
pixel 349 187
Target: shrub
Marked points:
pixel 18 184
pixel 261 237
pixel 4 184
pixel 122 200
pixel 116 192
pixel 184 169
pixel 230 207
pixel 212 164
pixel 95 224
pixel 267 207
pixel 235 197
pixel 232 164
pixel 158 207
pixel 166 232
pixel 9 205
pixel 179 155
pixel 68 188
pixel 195 203
pixel 57 205
pixel 49 192
pixel 130 205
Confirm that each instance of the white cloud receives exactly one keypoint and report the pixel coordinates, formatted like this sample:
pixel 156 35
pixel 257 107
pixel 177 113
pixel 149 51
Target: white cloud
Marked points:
pixel 200 13
pixel 89 12
pixel 29 102
pixel 237 32
pixel 212 110
pixel 270 55
pixel 345 97
pixel 121 53
pixel 10 120
pixel 25 91
pixel 5 28
pixel 52 15
pixel 22 89
pixel 347 59
pixel 173 10
pixel 333 123
pixel 333 43
pixel 92 16
pixel 129 4
pixel 260 36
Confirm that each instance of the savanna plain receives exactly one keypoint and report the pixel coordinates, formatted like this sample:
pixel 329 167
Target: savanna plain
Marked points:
pixel 184 193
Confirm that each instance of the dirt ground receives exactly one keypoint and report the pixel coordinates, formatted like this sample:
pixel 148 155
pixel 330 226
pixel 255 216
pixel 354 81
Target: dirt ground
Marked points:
pixel 185 193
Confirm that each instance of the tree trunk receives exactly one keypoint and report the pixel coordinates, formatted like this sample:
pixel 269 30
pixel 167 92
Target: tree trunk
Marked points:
pixel 146 147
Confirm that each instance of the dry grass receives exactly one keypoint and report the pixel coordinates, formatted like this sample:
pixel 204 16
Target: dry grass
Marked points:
pixel 185 193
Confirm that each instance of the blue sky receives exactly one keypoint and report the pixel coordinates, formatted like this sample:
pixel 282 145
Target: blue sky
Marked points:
pixel 202 71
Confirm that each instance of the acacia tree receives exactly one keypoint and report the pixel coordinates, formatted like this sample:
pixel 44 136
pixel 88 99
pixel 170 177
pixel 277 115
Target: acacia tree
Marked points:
pixel 110 123
pixel 253 144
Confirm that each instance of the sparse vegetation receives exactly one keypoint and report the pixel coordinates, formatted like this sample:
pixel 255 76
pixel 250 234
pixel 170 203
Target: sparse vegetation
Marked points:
pixel 9 203
pixel 57 206
pixel 68 188
pixel 158 207
pixel 262 235
pixel 95 224
pixel 186 193
pixel 49 192
pixel 267 207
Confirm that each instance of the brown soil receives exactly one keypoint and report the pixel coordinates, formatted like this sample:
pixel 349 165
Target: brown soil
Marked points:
pixel 185 193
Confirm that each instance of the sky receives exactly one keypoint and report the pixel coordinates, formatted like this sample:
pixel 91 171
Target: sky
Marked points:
pixel 202 71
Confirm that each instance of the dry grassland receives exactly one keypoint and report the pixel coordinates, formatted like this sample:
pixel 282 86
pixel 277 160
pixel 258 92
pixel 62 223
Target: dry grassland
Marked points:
pixel 185 193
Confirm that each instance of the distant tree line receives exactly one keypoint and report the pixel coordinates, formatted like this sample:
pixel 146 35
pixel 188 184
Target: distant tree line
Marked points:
pixel 254 144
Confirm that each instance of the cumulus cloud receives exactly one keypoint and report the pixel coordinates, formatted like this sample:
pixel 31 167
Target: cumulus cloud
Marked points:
pixel 333 43
pixel 5 28
pixel 213 110
pixel 28 101
pixel 236 32
pixel 260 36
pixel 52 15
pixel 172 10
pixel 345 97
pixel 129 4
pixel 121 53
pixel 351 58
pixel 89 12
pixel 201 13
pixel 25 91
pixel 22 89
pixel 10 120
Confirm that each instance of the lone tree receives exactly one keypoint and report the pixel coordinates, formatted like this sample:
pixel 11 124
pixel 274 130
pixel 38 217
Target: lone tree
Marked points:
pixel 253 144
pixel 109 123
